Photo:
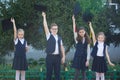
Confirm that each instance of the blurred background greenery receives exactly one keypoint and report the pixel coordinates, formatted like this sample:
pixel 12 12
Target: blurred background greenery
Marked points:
pixel 106 18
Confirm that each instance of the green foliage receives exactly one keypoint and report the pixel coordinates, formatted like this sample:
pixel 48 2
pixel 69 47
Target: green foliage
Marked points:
pixel 6 42
pixel 94 6
pixel 58 11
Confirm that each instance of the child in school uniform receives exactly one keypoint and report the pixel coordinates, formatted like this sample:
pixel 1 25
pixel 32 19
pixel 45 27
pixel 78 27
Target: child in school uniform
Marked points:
pixel 54 49
pixel 99 53
pixel 82 53
pixel 19 61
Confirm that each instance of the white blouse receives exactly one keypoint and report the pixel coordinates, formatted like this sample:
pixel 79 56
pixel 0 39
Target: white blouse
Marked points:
pixel 21 40
pixel 100 48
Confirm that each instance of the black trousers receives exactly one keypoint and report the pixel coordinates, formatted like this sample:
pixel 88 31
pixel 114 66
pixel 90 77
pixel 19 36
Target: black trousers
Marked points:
pixel 53 63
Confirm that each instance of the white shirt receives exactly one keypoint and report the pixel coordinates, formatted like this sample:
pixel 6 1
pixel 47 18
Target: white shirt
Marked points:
pixel 21 40
pixel 100 48
pixel 56 46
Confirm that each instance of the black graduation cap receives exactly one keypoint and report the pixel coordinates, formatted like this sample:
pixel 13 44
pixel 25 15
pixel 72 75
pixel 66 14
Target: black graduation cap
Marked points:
pixel 7 24
pixel 87 16
pixel 40 7
pixel 77 8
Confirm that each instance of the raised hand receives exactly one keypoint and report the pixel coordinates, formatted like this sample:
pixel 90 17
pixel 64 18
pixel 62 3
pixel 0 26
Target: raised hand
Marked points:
pixel 73 18
pixel 93 33
pixel 43 14
pixel 90 24
pixel 12 20
pixel 14 28
pixel 45 24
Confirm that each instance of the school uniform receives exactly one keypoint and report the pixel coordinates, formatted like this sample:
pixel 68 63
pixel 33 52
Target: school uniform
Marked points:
pixel 53 58
pixel 20 61
pixel 99 62
pixel 80 56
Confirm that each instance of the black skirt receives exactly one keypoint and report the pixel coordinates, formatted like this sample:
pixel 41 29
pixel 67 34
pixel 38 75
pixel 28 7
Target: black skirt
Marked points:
pixel 20 63
pixel 79 63
pixel 99 64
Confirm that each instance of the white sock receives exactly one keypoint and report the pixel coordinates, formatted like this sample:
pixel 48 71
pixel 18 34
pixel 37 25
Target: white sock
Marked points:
pixel 97 76
pixel 17 76
pixel 22 75
pixel 102 76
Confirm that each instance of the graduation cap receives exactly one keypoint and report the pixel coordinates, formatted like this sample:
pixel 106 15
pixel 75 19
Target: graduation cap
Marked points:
pixel 40 7
pixel 87 16
pixel 6 24
pixel 76 9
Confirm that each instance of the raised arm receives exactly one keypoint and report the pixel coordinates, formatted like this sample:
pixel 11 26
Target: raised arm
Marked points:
pixel 74 28
pixel 93 33
pixel 108 58
pixel 45 24
pixel 14 28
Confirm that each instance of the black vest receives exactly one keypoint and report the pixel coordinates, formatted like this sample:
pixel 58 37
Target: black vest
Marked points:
pixel 81 49
pixel 95 49
pixel 51 42
pixel 20 49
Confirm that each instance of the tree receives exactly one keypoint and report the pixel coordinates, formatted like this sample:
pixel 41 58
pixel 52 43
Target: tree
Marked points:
pixel 58 11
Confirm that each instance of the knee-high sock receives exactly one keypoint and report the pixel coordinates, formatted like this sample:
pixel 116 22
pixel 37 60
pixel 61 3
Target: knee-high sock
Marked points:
pixel 77 72
pixel 102 76
pixel 97 76
pixel 22 75
pixel 17 76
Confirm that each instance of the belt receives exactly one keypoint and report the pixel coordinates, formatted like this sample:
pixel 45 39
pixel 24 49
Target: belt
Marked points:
pixel 53 54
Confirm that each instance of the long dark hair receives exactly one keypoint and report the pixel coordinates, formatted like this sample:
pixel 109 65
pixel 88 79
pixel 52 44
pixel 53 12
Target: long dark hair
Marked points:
pixel 79 38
